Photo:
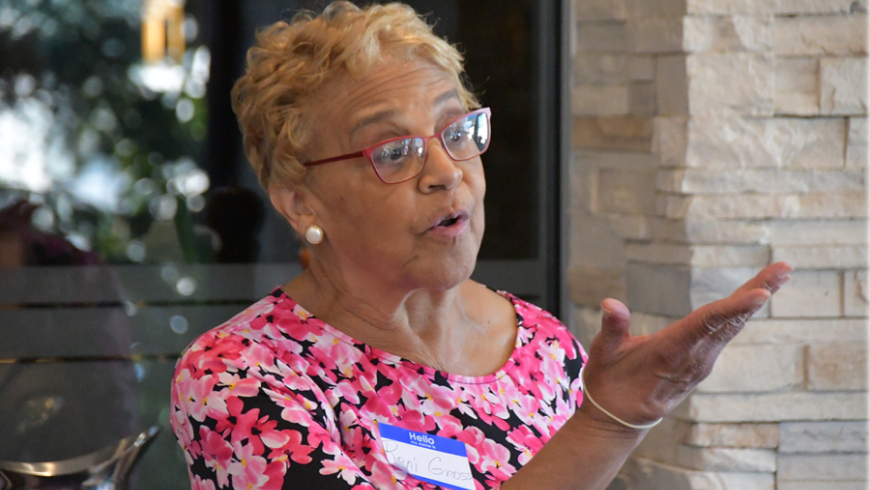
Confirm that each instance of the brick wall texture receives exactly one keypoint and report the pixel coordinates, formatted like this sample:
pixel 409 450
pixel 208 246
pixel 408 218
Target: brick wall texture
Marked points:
pixel 710 138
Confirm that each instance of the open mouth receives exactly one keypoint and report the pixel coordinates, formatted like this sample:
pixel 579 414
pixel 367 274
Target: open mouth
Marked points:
pixel 451 225
pixel 450 221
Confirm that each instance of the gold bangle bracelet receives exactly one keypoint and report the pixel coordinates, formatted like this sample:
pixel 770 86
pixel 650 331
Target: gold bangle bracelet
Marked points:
pixel 586 395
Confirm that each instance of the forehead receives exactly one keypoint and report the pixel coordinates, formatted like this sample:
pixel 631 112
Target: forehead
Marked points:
pixel 391 85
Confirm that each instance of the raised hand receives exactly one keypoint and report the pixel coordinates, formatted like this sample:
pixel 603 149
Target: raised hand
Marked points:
pixel 640 379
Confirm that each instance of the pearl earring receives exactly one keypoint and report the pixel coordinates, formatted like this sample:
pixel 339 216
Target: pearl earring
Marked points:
pixel 314 234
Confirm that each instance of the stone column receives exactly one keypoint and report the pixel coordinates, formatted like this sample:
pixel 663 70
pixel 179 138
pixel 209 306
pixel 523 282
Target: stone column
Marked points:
pixel 711 138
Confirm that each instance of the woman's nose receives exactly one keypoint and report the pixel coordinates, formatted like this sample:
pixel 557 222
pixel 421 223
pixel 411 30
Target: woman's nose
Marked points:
pixel 439 171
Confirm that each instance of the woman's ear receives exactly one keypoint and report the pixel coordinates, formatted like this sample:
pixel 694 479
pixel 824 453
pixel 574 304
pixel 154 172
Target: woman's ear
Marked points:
pixel 294 203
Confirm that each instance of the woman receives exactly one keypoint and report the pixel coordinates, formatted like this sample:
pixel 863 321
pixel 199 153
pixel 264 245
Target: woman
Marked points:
pixel 384 336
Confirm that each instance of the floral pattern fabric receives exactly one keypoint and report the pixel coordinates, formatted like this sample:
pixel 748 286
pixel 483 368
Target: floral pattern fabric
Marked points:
pixel 277 399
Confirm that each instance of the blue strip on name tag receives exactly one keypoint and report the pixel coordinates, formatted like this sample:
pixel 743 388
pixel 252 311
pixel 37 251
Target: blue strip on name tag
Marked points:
pixel 430 458
pixel 438 443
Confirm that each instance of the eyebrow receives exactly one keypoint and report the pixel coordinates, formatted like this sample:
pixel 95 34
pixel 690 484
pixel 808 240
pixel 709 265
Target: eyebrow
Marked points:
pixel 441 99
pixel 385 115
pixel 374 118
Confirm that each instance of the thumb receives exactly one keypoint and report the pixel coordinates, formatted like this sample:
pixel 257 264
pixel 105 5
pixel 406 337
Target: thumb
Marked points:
pixel 614 324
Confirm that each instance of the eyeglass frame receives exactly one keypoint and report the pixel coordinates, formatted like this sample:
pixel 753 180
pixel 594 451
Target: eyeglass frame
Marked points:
pixel 367 152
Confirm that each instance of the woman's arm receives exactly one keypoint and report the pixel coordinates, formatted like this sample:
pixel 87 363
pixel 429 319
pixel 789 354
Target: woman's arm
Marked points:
pixel 639 379
pixel 586 453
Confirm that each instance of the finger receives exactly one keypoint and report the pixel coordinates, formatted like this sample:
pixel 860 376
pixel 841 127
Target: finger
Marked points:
pixel 723 319
pixel 770 278
pixel 615 323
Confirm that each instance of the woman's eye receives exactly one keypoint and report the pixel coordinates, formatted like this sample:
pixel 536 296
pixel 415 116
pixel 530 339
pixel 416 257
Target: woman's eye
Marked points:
pixel 392 154
pixel 456 134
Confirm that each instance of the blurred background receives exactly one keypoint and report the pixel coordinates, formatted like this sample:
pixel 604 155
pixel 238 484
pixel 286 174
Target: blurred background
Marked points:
pixel 130 220
pixel 659 152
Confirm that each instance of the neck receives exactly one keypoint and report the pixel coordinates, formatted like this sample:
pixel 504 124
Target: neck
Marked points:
pixel 423 325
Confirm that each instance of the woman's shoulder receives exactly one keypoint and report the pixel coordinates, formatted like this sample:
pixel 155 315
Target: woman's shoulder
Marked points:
pixel 530 324
pixel 538 325
pixel 532 316
pixel 532 313
pixel 273 320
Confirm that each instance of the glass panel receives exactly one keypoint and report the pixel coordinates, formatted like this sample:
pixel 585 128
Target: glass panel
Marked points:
pixel 102 125
pixel 105 134
pixel 130 221
pixel 102 137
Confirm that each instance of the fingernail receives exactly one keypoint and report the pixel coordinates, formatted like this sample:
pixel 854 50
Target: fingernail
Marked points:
pixel 760 300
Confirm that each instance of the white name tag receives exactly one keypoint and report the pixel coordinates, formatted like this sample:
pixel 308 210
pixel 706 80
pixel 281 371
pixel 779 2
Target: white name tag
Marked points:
pixel 432 459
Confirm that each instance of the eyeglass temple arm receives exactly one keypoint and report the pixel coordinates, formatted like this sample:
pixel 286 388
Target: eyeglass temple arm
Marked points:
pixel 335 159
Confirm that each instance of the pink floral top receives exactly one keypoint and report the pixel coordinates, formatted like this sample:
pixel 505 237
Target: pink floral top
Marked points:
pixel 276 399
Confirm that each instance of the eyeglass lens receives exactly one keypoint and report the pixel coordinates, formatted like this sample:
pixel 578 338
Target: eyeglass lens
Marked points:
pixel 403 159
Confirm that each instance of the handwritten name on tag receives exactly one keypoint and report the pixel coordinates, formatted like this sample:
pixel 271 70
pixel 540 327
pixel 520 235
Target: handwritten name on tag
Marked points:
pixel 433 459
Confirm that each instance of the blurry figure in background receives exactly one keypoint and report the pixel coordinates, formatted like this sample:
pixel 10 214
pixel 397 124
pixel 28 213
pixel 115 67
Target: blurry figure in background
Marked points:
pixel 51 411
pixel 21 244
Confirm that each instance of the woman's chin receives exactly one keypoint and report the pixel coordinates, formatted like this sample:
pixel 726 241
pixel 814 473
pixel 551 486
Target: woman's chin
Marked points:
pixel 445 272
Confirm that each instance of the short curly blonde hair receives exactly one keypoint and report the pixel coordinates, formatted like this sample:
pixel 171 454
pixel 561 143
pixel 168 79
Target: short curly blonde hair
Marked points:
pixel 291 61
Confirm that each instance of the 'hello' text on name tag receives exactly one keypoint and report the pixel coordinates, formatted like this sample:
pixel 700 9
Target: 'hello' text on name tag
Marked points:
pixel 433 459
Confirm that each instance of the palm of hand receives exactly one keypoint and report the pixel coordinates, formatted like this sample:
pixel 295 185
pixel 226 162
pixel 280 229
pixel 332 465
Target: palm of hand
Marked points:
pixel 640 379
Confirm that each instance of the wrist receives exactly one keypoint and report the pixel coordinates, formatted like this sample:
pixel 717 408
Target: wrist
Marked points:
pixel 587 397
pixel 594 420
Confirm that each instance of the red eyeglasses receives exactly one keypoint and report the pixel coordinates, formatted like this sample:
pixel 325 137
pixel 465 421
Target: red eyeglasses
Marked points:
pixel 399 159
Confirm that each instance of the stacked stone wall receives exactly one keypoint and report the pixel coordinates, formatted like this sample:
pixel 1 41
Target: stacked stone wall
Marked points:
pixel 711 138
